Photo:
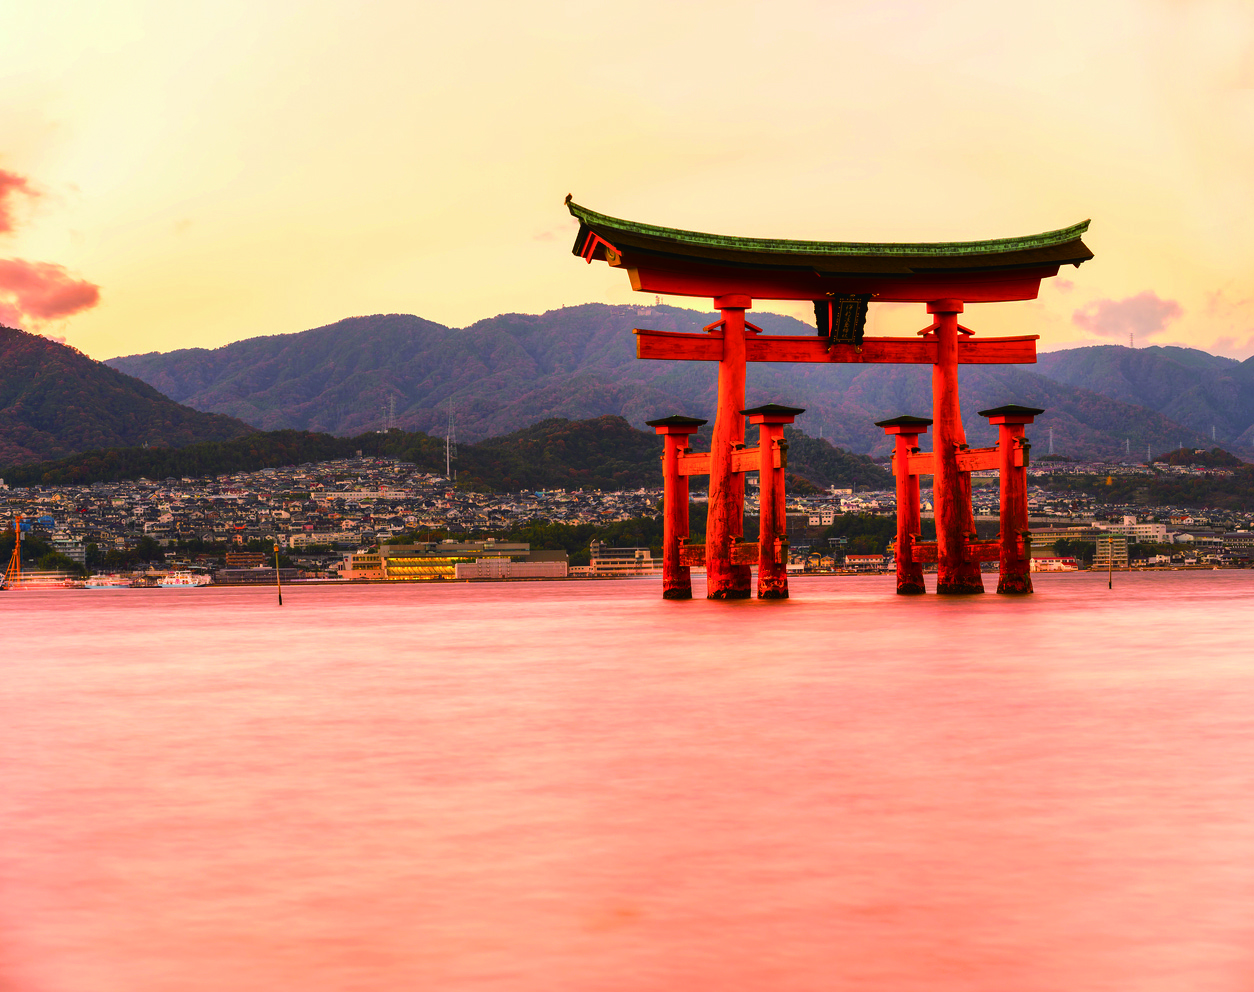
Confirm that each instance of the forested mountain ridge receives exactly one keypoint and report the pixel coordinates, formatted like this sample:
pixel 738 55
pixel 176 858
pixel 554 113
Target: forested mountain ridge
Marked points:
pixel 501 374
pixel 55 401
pixel 602 453
pixel 1194 388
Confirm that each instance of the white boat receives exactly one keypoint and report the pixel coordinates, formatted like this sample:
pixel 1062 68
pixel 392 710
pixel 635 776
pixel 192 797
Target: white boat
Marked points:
pixel 113 581
pixel 182 580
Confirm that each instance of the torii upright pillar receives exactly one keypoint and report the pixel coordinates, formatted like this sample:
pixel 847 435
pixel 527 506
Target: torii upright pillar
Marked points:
pixel 1012 450
pixel 772 528
pixel 727 488
pixel 951 488
pixel 909 522
pixel 676 576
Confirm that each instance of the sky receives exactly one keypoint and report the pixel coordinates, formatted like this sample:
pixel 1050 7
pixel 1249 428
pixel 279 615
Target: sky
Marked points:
pixel 190 174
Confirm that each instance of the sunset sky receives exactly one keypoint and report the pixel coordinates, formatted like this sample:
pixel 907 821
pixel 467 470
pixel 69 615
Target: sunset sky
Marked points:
pixel 189 174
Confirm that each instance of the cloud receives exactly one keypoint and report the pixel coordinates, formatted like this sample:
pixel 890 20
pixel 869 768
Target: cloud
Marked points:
pixel 1144 315
pixel 11 184
pixel 37 292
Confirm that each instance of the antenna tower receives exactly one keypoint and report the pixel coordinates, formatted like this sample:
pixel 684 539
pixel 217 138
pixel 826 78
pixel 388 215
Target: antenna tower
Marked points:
pixel 1051 440
pixel 450 443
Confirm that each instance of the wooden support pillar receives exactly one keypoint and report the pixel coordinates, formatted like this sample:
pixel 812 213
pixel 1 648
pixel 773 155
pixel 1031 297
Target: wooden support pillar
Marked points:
pixel 772 528
pixel 909 521
pixel 726 522
pixel 676 576
pixel 951 489
pixel 1012 450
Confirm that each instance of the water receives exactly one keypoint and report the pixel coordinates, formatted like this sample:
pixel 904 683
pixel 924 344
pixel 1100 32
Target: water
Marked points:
pixel 579 786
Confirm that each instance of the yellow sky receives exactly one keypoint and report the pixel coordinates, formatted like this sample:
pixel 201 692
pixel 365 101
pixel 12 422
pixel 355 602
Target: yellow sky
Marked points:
pixel 224 170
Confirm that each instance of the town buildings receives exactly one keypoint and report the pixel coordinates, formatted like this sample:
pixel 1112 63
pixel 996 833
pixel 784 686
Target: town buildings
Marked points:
pixel 335 519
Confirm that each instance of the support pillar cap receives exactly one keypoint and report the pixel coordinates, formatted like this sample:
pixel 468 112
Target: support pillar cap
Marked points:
pixel 772 413
pixel 676 424
pixel 905 425
pixel 1012 413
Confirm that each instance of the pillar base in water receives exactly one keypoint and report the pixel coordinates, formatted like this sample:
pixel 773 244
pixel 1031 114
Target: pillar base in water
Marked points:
pixel 726 581
pixel 773 594
pixel 960 580
pixel 1015 584
pixel 677 593
pixel 910 579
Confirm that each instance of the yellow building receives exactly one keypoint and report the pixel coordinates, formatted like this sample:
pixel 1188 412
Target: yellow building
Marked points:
pixel 420 568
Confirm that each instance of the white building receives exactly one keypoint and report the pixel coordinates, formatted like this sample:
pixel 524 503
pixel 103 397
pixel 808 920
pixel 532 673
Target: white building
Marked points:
pixel 1153 533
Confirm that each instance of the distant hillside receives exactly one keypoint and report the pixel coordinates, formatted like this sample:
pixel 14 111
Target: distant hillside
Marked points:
pixel 602 453
pixel 55 400
pixel 501 374
pixel 1191 387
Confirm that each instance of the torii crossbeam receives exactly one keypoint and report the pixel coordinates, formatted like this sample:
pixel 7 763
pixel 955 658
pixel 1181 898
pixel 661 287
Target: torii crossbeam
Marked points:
pixel 841 278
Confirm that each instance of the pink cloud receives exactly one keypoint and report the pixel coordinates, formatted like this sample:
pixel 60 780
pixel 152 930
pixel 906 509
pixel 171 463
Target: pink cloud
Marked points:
pixel 1144 315
pixel 11 184
pixel 35 292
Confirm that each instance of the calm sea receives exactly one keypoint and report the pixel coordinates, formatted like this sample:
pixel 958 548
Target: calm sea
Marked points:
pixel 575 785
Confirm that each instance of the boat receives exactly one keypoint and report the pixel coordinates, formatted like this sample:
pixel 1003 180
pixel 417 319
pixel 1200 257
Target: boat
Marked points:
pixel 182 580
pixel 113 581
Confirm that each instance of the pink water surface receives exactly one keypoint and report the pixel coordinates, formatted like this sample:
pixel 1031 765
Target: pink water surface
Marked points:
pixel 539 786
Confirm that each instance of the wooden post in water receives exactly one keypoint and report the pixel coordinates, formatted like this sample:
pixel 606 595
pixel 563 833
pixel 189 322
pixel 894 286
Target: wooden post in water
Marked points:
pixel 726 521
pixel 1012 453
pixel 909 523
pixel 676 576
pixel 278 579
pixel 772 528
pixel 951 489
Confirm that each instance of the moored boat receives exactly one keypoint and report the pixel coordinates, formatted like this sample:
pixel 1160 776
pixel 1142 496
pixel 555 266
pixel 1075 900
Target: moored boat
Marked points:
pixel 113 581
pixel 182 580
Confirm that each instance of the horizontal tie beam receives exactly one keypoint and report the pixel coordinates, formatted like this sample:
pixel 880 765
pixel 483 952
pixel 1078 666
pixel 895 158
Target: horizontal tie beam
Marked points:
pixel 673 346
pixel 742 460
pixel 742 553
pixel 925 551
pixel 969 460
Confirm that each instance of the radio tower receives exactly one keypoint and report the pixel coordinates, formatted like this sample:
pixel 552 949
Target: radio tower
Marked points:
pixel 1051 440
pixel 13 574
pixel 450 443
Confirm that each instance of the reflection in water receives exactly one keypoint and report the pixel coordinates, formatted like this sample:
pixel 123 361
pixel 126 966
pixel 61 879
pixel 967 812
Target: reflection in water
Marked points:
pixel 577 785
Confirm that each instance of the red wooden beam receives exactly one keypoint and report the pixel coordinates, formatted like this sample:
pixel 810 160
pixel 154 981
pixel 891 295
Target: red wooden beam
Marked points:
pixel 671 278
pixel 972 551
pixel 671 346
pixel 742 460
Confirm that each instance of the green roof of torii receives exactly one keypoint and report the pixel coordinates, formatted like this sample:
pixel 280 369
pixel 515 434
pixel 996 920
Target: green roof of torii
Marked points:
pixel 1062 246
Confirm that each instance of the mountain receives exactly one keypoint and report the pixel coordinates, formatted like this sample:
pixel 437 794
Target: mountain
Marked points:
pixel 602 453
pixel 506 372
pixel 1193 388
pixel 54 401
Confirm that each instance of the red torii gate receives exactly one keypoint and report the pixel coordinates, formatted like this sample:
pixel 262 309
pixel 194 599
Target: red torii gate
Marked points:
pixel 841 278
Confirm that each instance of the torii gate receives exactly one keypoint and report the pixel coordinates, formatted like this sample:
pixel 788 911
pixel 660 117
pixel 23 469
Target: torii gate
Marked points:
pixel 841 278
